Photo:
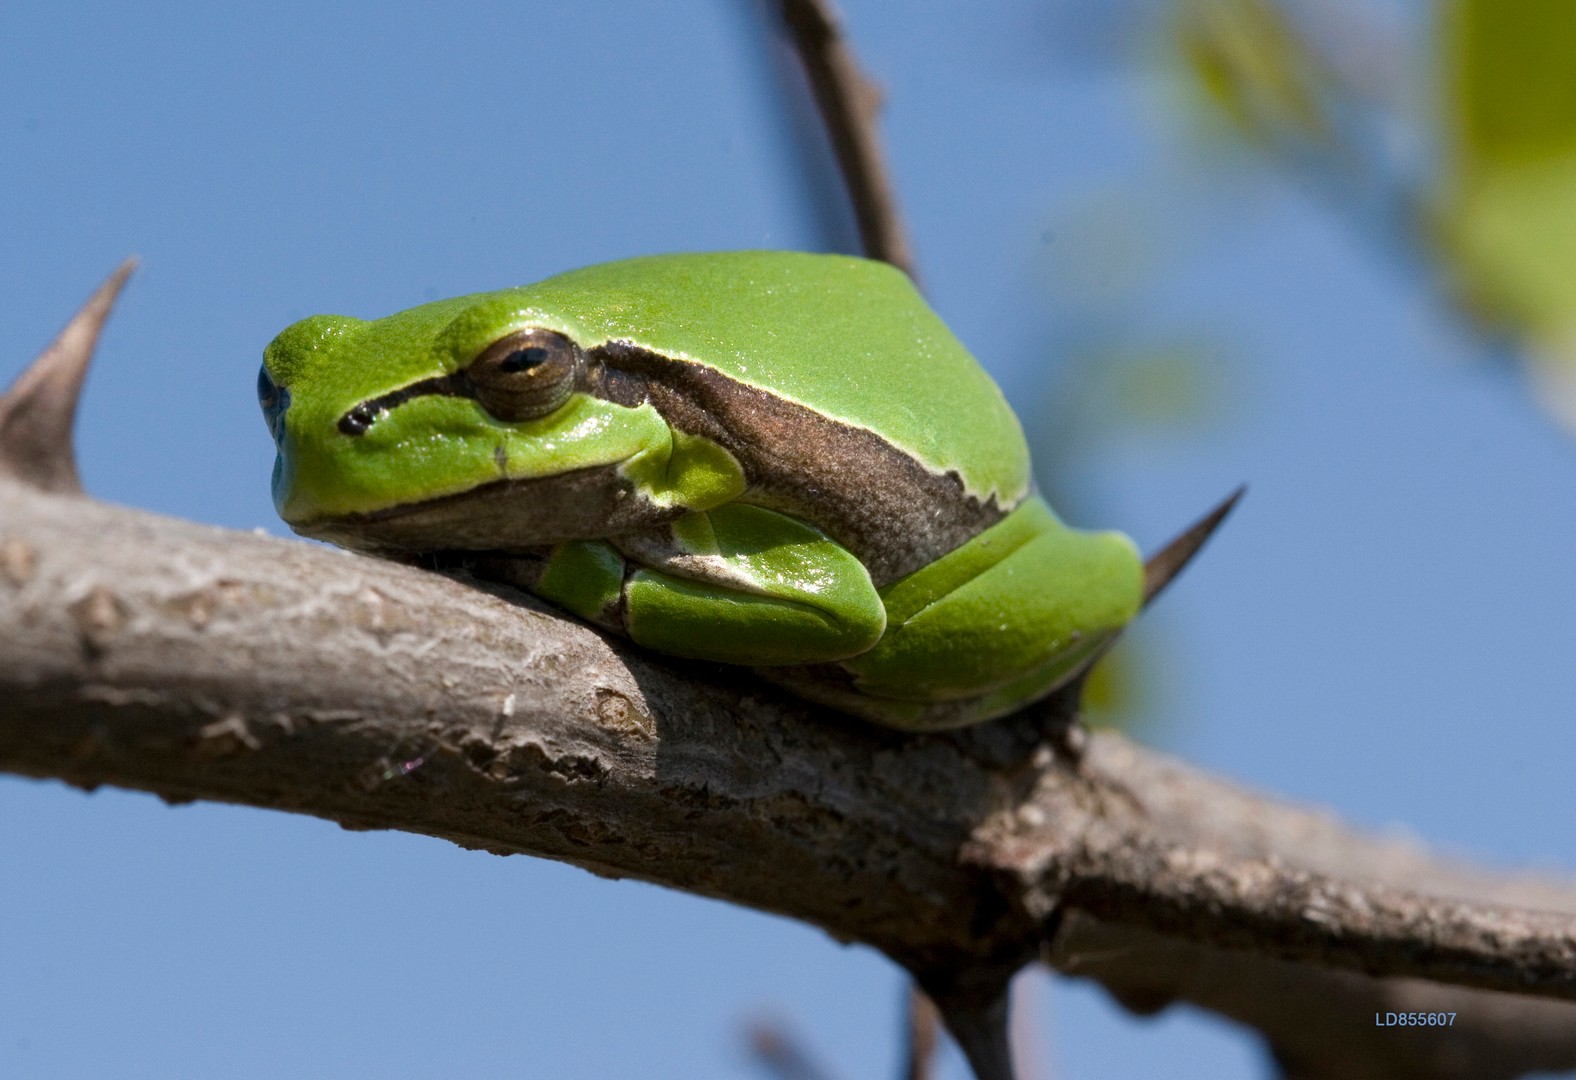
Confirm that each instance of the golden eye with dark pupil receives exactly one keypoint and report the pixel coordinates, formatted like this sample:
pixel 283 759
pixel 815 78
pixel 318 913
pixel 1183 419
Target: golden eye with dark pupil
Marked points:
pixel 528 374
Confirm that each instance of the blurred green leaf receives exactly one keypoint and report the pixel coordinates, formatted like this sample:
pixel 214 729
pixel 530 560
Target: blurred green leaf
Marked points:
pixel 1111 387
pixel 1177 385
pixel 1253 67
pixel 1111 391
pixel 1118 693
pixel 1508 236
pixel 1506 209
pixel 1511 80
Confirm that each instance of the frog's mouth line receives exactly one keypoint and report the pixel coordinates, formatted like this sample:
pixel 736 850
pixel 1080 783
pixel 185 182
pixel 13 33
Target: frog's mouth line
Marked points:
pixel 500 515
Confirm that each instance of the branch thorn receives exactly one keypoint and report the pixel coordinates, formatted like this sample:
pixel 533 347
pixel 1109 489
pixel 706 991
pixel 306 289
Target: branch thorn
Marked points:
pixel 38 412
pixel 1164 565
pixel 975 1012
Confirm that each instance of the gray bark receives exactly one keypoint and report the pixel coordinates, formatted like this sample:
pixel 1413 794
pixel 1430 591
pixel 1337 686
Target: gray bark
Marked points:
pixel 194 662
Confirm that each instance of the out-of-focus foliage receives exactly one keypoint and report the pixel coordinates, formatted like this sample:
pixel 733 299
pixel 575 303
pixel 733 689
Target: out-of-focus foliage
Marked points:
pixel 1254 68
pixel 1156 389
pixel 1121 373
pixel 1118 692
pixel 1507 196
pixel 1506 203
pixel 1492 215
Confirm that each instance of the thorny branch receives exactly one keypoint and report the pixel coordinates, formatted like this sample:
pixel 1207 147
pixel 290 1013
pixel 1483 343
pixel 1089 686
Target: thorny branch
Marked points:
pixel 198 663
pixel 195 663
pixel 275 674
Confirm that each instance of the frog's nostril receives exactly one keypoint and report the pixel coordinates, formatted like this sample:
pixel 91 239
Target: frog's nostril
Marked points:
pixel 357 420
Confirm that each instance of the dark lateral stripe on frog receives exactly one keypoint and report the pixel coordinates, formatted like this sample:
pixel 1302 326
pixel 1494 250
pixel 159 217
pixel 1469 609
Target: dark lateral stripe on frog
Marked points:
pixel 894 514
pixel 564 506
pixel 360 418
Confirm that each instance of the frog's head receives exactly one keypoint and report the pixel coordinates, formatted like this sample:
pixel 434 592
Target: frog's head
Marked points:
pixel 468 423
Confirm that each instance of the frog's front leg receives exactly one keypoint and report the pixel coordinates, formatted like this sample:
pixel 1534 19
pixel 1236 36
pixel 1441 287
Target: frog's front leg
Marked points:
pixel 737 584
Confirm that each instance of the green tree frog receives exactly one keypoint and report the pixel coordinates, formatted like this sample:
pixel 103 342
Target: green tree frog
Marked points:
pixel 773 459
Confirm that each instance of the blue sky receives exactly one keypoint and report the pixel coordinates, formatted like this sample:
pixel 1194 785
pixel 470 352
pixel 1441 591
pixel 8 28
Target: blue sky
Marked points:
pixel 1384 628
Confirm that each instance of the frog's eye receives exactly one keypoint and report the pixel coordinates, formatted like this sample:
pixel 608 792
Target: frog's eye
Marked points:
pixel 274 399
pixel 525 375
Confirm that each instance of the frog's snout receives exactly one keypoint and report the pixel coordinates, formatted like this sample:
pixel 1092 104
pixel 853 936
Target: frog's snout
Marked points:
pixel 275 401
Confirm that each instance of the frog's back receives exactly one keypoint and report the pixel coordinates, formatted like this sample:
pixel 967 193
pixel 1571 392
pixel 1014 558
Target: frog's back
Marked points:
pixel 847 337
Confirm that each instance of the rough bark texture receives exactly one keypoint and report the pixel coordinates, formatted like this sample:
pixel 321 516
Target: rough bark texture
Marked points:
pixel 198 663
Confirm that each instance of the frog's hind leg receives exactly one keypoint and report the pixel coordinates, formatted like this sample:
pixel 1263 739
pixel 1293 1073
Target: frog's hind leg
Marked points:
pixel 1004 619
pixel 1022 611
pixel 1160 570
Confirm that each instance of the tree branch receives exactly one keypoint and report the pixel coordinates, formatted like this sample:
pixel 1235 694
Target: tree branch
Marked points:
pixel 922 1032
pixel 1281 882
pixel 198 663
pixel 849 103
pixel 1318 1024
pixel 1323 1024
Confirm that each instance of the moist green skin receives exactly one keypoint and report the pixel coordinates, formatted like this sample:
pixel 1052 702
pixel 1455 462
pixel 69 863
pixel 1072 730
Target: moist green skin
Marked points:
pixel 766 458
